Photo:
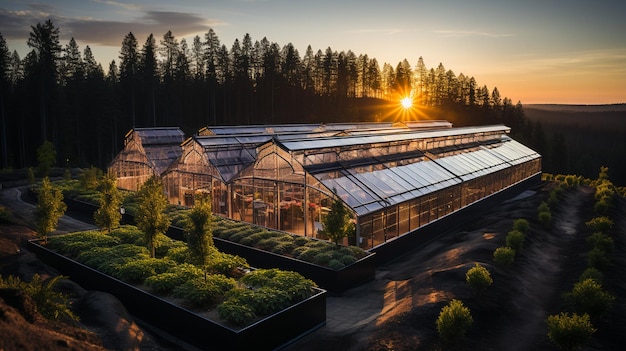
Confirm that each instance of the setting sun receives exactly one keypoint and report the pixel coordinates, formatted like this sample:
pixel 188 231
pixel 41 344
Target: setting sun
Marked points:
pixel 407 102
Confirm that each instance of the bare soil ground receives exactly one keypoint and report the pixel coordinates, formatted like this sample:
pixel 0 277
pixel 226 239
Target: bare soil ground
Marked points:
pixel 511 315
pixel 397 311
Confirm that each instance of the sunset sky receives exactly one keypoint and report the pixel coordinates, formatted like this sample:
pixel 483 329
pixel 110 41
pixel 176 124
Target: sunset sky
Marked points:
pixel 567 52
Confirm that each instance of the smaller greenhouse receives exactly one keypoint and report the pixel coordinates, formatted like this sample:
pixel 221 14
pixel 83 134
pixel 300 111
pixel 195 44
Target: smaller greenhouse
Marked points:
pixel 147 152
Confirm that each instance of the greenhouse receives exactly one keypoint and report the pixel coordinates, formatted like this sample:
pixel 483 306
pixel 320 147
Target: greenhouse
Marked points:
pixel 394 178
pixel 147 152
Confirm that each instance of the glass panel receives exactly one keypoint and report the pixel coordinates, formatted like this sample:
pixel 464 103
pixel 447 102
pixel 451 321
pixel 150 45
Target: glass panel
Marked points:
pixel 403 218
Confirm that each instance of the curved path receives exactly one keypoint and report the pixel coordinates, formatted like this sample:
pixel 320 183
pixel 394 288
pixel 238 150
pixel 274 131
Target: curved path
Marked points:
pixel 11 198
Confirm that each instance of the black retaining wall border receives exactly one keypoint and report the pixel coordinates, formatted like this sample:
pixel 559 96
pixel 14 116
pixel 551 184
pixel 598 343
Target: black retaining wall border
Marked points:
pixel 272 332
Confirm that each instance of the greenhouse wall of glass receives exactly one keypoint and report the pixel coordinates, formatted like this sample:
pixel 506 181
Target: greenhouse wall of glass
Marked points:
pixel 147 152
pixel 394 178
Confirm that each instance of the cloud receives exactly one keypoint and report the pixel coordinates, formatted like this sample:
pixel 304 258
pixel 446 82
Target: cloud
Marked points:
pixel 111 33
pixel 453 33
pixel 129 7
pixel 16 25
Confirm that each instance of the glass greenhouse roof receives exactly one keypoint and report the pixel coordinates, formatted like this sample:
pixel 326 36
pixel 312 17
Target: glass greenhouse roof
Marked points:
pixel 371 165
pixel 154 136
pixel 373 187
pixel 374 138
pixel 161 145
pixel 278 129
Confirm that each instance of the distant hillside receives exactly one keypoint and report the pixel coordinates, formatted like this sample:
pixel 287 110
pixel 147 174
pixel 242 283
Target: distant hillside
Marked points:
pixel 579 139
pixel 602 117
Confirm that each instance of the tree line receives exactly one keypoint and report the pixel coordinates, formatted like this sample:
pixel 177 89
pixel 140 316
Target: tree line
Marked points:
pixel 62 94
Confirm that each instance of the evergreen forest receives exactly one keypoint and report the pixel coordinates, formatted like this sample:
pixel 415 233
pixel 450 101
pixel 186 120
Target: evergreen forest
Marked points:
pixel 60 93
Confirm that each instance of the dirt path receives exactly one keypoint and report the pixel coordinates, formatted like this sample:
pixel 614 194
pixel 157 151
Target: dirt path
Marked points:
pixel 535 284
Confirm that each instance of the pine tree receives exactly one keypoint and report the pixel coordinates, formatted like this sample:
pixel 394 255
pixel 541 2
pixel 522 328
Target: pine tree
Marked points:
pixel 108 214
pixel 199 232
pixel 50 207
pixel 151 218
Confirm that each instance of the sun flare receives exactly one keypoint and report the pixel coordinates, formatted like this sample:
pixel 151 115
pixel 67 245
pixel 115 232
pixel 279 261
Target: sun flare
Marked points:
pixel 406 103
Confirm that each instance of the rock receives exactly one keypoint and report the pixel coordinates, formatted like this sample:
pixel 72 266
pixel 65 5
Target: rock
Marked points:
pixel 105 311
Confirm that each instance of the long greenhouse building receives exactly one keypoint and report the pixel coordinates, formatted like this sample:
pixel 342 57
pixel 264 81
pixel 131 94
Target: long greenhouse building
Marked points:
pixel 395 178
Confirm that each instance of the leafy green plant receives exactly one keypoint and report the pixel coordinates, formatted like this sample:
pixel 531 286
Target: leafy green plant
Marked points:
pixel 297 287
pixel 50 207
pixel 479 278
pixel 199 232
pixel 504 256
pixel 515 240
pixel 521 225
pixel 601 224
pixel 570 331
pixel 601 241
pixel 453 322
pixel 204 291
pixel 150 217
pixel 108 215
pixel 593 274
pixel 50 303
pixel 235 312
pixel 588 297
pixel 165 283
pixel 598 258
pixel 137 271
pixel 109 259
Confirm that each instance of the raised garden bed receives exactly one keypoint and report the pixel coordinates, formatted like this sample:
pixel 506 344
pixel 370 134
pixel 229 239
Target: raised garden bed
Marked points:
pixel 336 272
pixel 269 332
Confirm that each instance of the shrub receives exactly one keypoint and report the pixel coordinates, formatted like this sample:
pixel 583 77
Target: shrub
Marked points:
pixel 138 270
pixel 591 273
pixel 504 256
pixel 322 258
pixel 570 332
pixel 545 218
pixel 226 264
pixel 479 278
pixel 597 258
pixel 601 241
pixel 521 225
pixel 262 301
pixel 306 253
pixel 49 302
pixel 515 240
pixel 284 247
pixel 297 287
pixel 335 264
pixel 179 254
pixel 600 224
pixel 453 321
pixel 543 207
pixel 165 283
pixel 588 297
pixel 204 291
pixel 75 243
pixel 108 259
pixel 235 313
pixel 128 234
